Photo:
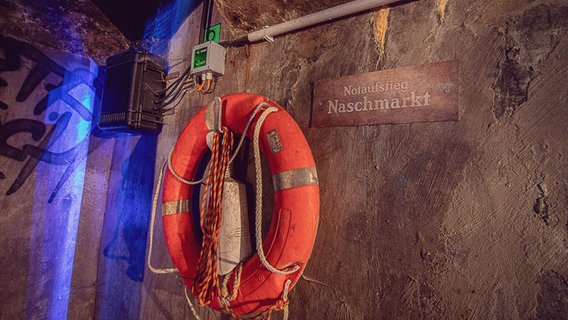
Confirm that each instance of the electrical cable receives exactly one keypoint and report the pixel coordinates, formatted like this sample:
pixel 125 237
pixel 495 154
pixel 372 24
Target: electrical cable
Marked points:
pixel 235 43
pixel 173 86
pixel 167 110
pixel 199 86
pixel 166 106
pixel 182 60
pixel 212 88
pixel 205 89
pixel 174 97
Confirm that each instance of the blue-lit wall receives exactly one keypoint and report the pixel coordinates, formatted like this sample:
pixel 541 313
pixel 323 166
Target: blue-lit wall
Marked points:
pixel 47 100
pixel 74 201
pixel 47 138
pixel 122 274
pixel 168 19
pixel 124 237
pixel 61 172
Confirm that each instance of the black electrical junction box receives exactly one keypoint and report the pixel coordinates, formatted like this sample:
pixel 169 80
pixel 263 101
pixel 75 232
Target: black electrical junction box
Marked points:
pixel 134 81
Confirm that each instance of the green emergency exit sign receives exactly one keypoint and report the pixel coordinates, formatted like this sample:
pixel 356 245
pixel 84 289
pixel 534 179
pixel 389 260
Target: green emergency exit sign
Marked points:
pixel 213 33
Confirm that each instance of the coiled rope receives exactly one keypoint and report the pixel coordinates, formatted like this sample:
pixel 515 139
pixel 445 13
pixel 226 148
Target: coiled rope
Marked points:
pixel 206 281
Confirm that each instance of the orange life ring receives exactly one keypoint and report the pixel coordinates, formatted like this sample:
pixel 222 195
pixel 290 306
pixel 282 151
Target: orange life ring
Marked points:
pixel 292 232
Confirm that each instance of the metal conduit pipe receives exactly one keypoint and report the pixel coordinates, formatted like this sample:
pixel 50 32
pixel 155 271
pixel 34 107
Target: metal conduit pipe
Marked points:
pixel 332 13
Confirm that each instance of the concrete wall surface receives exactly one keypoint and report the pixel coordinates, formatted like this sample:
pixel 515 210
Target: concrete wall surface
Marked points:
pixel 53 172
pixel 461 219
pixel 442 220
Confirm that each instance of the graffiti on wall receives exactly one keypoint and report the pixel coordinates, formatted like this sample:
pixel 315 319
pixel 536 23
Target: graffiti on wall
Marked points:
pixel 40 100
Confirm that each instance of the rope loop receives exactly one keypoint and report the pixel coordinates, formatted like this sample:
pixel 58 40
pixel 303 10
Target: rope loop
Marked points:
pixel 236 283
pixel 179 177
pixel 152 221
pixel 258 207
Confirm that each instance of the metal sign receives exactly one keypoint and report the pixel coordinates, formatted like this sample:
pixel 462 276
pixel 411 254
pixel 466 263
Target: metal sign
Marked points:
pixel 213 33
pixel 423 93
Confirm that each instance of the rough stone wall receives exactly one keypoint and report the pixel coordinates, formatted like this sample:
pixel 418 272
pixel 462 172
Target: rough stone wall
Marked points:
pixel 464 219
pixel 78 27
pixel 247 15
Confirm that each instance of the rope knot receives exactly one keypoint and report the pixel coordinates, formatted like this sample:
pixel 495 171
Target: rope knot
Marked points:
pixel 282 303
